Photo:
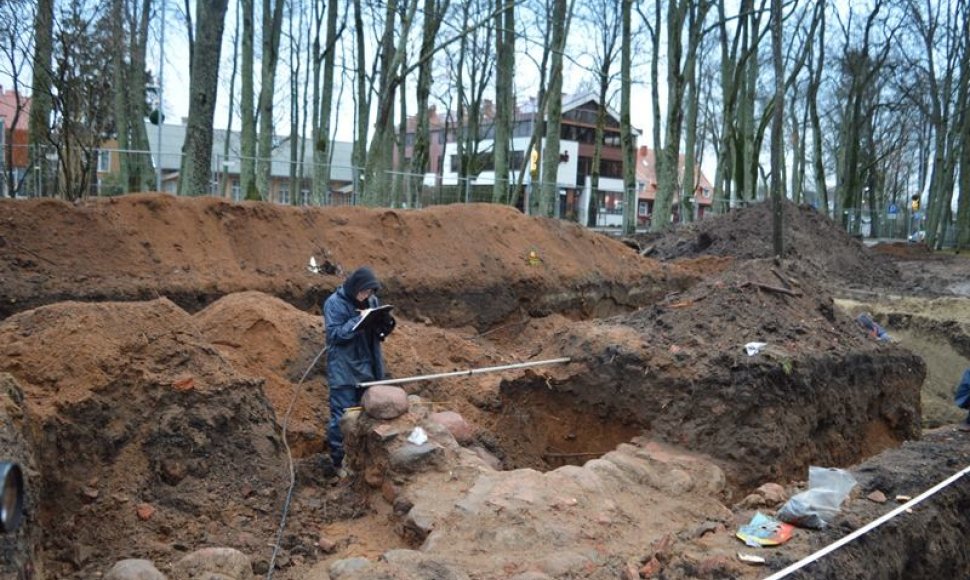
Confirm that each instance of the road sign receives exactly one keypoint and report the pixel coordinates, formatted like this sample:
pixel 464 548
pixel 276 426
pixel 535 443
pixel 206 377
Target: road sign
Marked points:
pixel 893 210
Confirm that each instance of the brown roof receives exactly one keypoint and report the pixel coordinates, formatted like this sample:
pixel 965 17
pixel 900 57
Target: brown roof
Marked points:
pixel 647 175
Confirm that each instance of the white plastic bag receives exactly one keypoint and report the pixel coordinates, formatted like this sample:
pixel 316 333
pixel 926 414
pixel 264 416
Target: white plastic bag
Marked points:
pixel 418 436
pixel 827 489
pixel 753 348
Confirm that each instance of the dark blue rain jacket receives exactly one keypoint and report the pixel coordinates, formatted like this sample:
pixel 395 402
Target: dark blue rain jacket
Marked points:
pixel 353 357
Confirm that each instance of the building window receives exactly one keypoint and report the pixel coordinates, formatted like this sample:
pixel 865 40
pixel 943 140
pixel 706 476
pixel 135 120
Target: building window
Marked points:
pixel 285 195
pixel 236 191
pixel 305 196
pixel 706 193
pixel 104 161
pixel 611 168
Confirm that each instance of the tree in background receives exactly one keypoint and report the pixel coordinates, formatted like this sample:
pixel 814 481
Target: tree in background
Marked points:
pixel 247 107
pixel 82 102
pixel 15 39
pixel 130 19
pixel 197 150
pixel 504 96
pixel 681 14
pixel 548 198
pixel 861 66
pixel 324 58
pixel 269 62
pixel 626 128
pixel 938 35
pixel 603 23
pixel 963 105
pixel 41 105
pixel 777 132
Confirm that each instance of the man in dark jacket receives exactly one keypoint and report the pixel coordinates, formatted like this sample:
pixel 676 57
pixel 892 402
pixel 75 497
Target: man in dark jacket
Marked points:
pixel 353 356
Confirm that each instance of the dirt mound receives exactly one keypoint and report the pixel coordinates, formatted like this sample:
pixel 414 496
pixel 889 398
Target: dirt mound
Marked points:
pixel 454 265
pixel 809 237
pixel 146 436
pixel 268 338
pixel 903 249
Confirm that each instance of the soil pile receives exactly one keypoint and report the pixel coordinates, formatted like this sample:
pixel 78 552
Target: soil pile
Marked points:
pixel 453 265
pixel 138 425
pixel 810 237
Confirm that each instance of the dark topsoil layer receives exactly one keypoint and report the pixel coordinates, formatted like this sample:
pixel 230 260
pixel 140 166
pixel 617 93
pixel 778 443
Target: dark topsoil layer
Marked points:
pixel 827 251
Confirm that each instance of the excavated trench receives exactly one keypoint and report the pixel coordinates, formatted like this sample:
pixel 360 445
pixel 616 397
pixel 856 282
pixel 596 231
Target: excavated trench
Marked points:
pixel 760 421
pixel 769 421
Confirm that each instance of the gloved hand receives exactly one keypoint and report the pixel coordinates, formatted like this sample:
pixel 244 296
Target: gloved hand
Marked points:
pixel 386 327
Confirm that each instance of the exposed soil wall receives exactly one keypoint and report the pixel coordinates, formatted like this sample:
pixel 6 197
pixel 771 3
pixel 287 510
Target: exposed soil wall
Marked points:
pixel 453 265
pixel 764 419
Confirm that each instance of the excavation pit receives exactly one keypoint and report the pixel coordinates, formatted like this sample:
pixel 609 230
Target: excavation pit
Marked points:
pixel 155 426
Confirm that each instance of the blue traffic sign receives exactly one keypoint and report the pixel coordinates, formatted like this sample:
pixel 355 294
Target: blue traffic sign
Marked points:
pixel 893 210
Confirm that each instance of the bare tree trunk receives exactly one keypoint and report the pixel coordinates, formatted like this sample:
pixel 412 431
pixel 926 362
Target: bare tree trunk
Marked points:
pixel 272 30
pixel 197 149
pixel 363 102
pixel 247 106
pixel 223 171
pixel 504 85
pixel 777 133
pixel 296 136
pixel 391 73
pixel 626 127
pixel 38 128
pixel 696 16
pixel 142 178
pixel 549 196
pixel 668 156
pixel 812 102
pixel 434 12
pixel 748 151
pixel 120 77
pixel 963 105
pixel 399 189
pixel 323 103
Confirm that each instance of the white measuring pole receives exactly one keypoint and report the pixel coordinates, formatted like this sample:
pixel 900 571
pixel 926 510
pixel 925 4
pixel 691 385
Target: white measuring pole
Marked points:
pixel 870 526
pixel 552 361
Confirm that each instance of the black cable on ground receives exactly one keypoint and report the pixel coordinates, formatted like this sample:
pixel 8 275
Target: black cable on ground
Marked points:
pixel 289 457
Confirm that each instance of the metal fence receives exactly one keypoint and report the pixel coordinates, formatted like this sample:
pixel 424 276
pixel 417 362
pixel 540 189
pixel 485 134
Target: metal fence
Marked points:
pixel 29 171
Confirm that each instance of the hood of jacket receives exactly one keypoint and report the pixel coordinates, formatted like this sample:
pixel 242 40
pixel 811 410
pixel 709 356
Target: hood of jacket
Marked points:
pixel 360 279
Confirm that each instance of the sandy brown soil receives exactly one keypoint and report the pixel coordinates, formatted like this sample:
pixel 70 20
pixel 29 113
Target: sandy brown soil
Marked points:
pixel 158 357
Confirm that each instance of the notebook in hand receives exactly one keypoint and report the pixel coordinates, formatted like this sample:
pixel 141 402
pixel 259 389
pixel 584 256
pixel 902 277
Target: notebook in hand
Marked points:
pixel 372 316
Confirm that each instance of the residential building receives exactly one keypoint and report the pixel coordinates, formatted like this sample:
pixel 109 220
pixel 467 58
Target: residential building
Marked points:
pixel 169 138
pixel 14 159
pixel 577 144
pixel 647 189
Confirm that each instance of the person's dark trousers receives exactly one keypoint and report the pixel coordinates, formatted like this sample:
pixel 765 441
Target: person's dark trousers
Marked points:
pixel 341 399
